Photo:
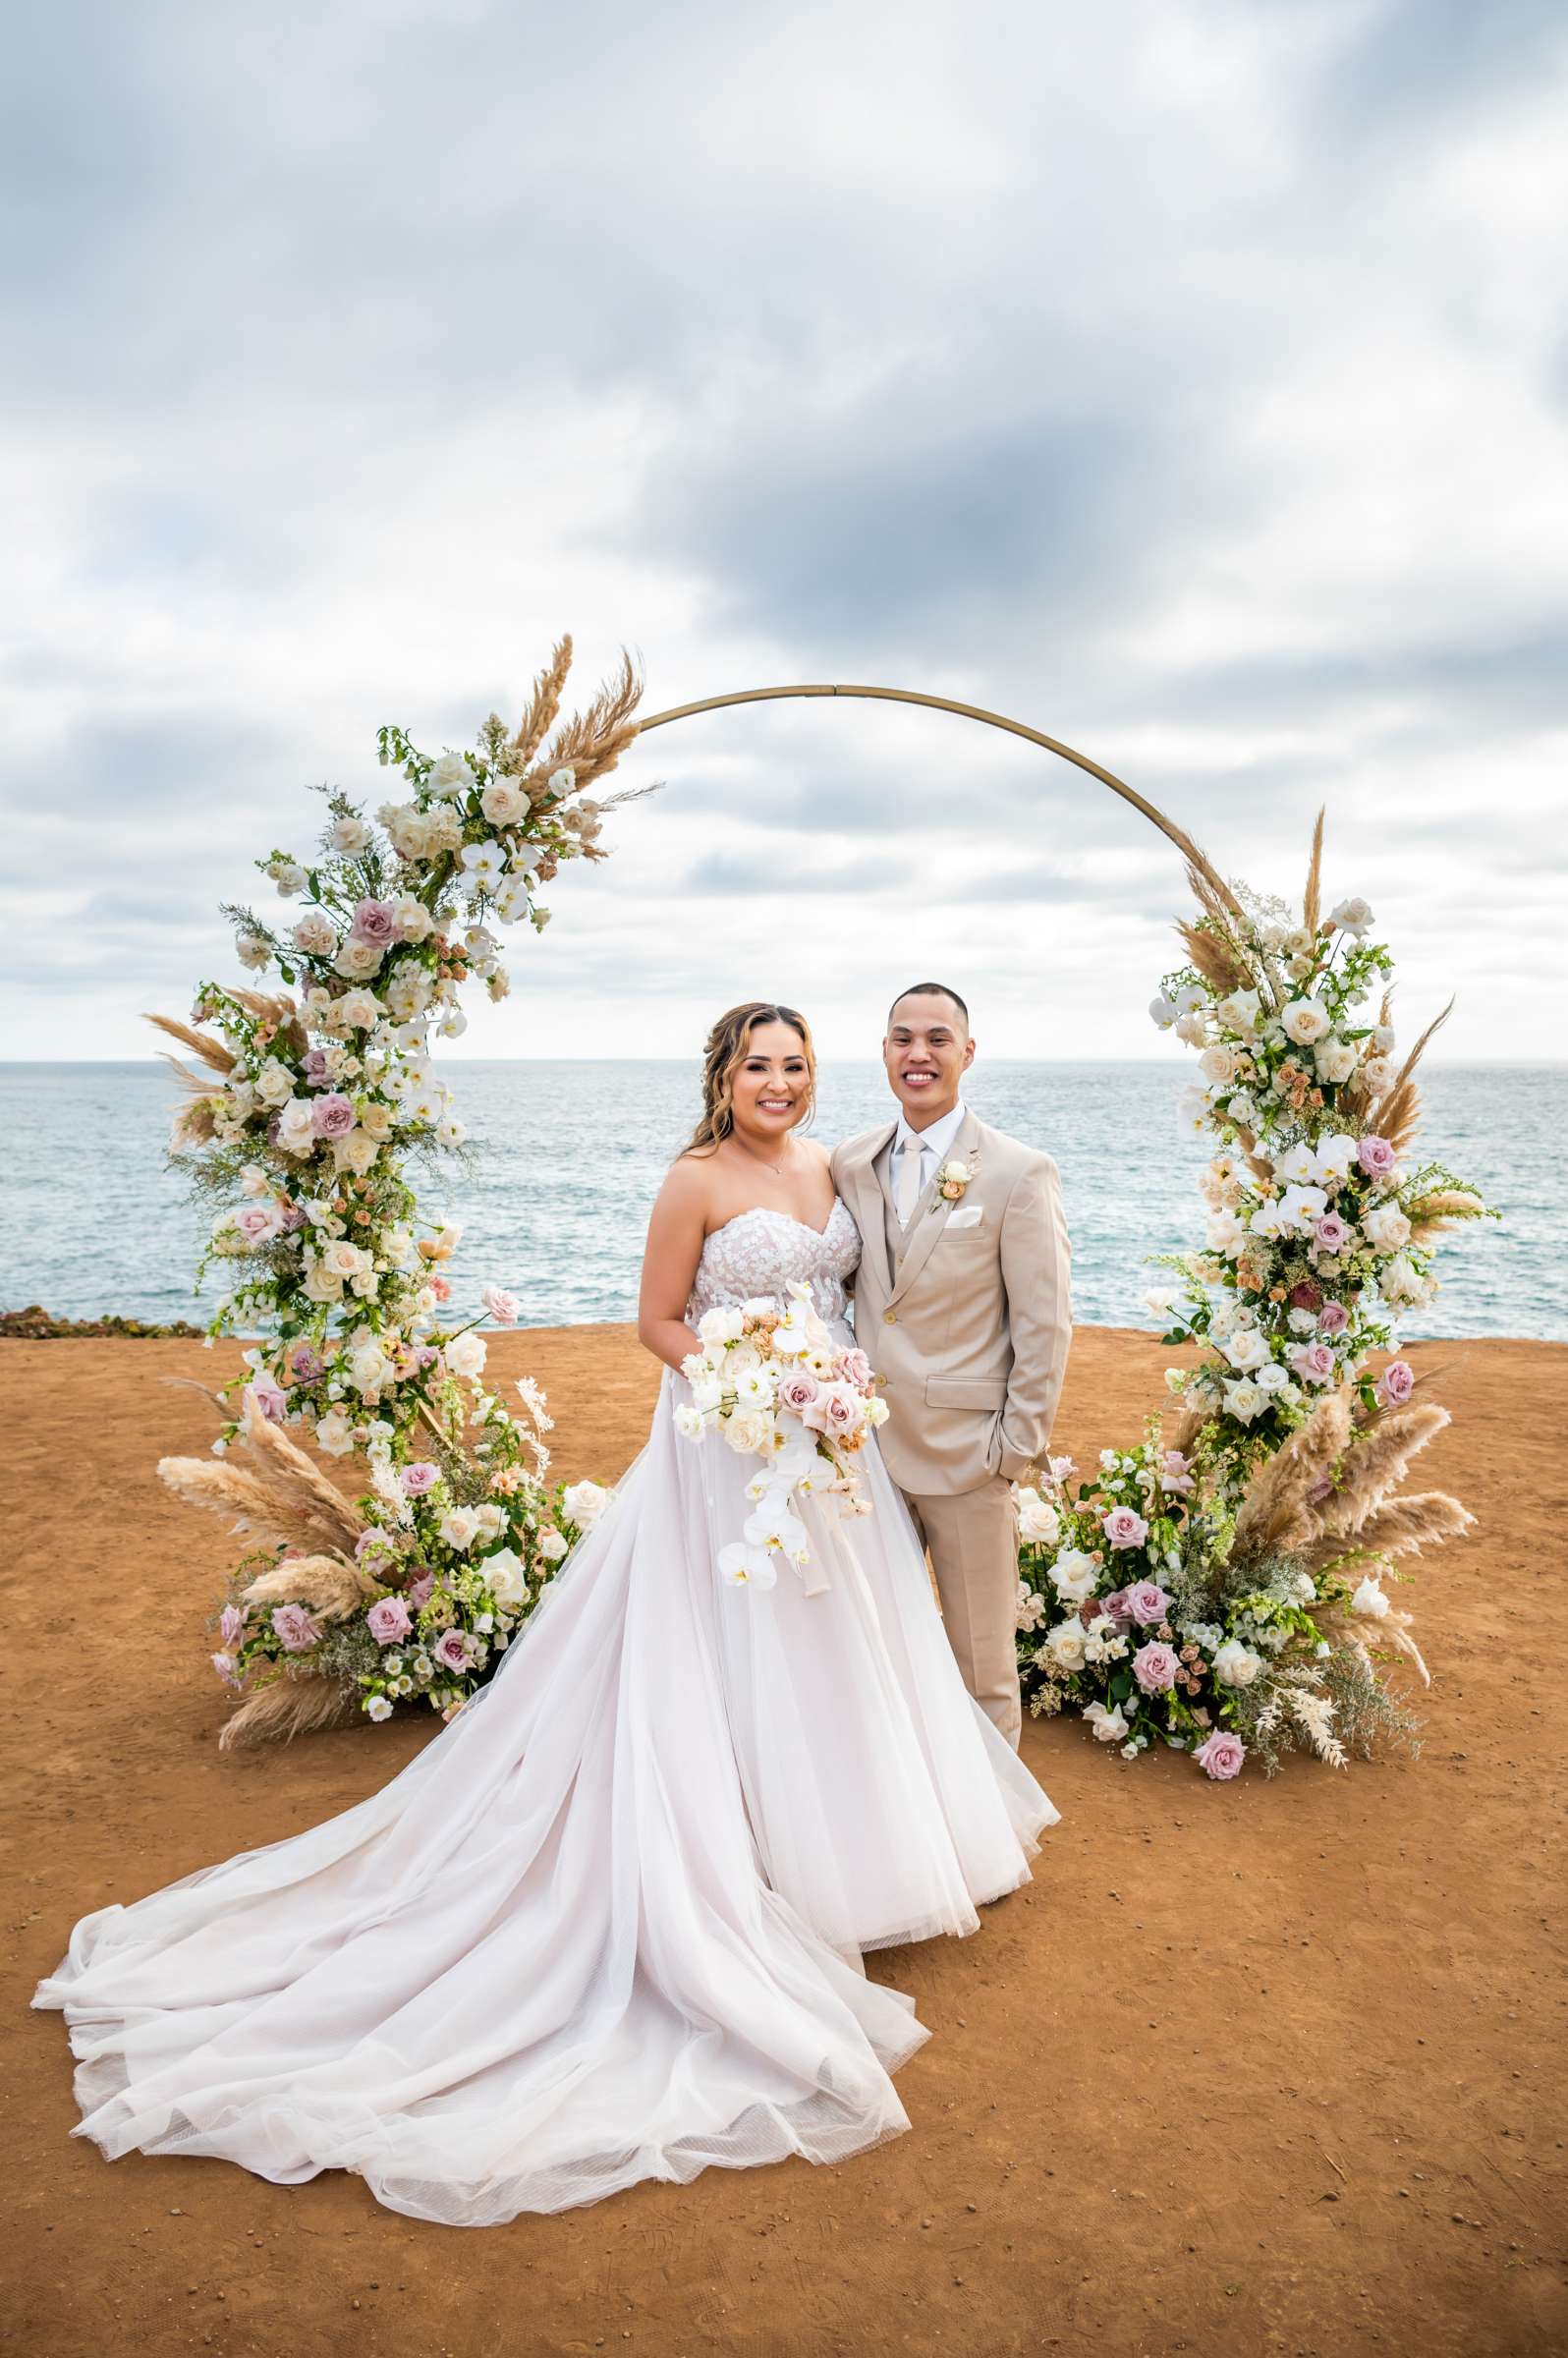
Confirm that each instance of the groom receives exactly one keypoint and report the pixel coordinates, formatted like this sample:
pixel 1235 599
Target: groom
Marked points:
pixel 963 1304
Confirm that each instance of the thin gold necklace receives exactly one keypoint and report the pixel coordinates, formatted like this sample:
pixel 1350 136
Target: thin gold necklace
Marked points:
pixel 777 1168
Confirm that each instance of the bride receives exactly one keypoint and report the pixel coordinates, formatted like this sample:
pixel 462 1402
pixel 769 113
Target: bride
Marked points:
pixel 608 1925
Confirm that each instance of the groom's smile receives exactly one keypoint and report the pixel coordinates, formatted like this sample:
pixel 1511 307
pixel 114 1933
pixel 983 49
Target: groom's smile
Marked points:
pixel 927 1052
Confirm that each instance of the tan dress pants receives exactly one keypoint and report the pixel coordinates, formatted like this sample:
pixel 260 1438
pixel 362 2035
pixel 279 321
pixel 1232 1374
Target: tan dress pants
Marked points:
pixel 973 1541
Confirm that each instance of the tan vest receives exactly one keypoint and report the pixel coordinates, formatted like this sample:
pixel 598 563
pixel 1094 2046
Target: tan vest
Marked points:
pixel 967 1314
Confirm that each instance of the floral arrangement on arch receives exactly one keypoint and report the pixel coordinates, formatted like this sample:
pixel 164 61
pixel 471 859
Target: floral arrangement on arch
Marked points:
pixel 1223 1589
pixel 311 1102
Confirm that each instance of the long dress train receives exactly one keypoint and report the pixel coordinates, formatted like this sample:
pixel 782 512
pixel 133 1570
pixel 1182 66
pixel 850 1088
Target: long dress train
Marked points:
pixel 608 1923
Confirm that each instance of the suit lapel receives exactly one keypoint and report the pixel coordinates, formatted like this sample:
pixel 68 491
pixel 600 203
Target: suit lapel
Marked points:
pixel 869 1216
pixel 931 1213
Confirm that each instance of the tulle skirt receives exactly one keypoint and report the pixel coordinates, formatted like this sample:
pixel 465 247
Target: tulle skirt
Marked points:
pixel 608 1923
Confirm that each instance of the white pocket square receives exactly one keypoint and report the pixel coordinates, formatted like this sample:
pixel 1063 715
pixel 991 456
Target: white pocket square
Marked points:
pixel 967 1215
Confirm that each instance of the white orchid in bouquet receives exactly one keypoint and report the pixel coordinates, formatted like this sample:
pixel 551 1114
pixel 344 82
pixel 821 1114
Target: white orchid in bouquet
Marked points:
pixel 1222 1589
pixel 299 1129
pixel 773 1382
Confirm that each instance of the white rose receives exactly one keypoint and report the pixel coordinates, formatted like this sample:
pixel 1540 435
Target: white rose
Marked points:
pixel 334 1434
pixel 551 1546
pixel 1382 1039
pixel 1065 1645
pixel 1227 1233
pixel 315 935
pixel 350 834
pixel 1400 1281
pixel 1235 1664
pixel 1217 1065
pixel 504 801
pixel 460 1527
pixel 450 777
pixel 412 918
pixel 689 1422
pixel 1239 1012
pixel 251 950
pixel 585 1501
pixel 1351 917
pixel 1244 1400
pixel 359 1010
pixel 1109 1725
pixel 748 1430
pixel 1073 1575
pixel 288 876
pixel 297 1127
pixel 1378 1072
pixel 1246 1349
pixel 1037 1519
pixel 1369 1600
pixel 358 960
pixel 274 1083
pixel 1335 1060
pixel 355 1152
pixel 1387 1227
pixel 466 1353
pixel 1305 1021
pixel 562 780
pixel 342 1259
pixel 504 1577
pixel 1272 1378
pixel 1192 1029
pixel 723 1324
pixel 368 1368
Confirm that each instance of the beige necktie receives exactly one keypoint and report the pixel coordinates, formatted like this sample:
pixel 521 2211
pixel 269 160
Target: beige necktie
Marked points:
pixel 907 1192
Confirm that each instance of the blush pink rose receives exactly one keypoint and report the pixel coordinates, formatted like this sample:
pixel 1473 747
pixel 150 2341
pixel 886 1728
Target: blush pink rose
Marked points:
pixel 313 1065
pixel 501 1305
pixel 256 1222
pixel 376 921
pixel 797 1391
pixel 1123 1528
pixel 420 1591
pixel 1314 1363
pixel 1221 1755
pixel 1333 1318
pixel 333 1116
pixel 451 1650
pixel 1396 1384
pixel 1376 1158
pixel 1176 1475
pixel 1330 1232
pixel 268 1397
pixel 419 1477
pixel 1147 1603
pixel 307 1364
pixel 231 1626
pixel 388 1620
pixel 1156 1667
pixel 1116 1604
pixel 857 1367
pixel 295 1627
pixel 842 1408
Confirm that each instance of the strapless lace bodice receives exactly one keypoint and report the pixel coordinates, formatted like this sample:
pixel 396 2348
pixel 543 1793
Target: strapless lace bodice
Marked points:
pixel 761 1252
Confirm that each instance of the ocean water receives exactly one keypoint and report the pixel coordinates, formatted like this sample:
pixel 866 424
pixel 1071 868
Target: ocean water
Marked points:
pixel 565 1159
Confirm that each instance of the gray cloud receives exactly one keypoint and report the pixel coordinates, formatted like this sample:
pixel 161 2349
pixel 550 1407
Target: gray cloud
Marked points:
pixel 1180 379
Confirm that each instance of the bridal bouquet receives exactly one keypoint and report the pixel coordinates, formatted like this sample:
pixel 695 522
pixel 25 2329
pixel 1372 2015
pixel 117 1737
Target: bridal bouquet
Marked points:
pixel 772 1380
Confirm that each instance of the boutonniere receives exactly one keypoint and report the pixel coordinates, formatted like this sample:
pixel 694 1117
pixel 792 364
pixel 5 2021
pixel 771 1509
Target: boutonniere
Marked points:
pixel 952 1177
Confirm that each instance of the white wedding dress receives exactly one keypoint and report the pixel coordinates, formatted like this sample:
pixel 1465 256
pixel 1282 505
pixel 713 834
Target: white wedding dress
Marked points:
pixel 607 1925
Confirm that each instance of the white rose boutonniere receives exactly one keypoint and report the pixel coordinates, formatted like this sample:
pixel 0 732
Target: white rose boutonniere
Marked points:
pixel 952 1177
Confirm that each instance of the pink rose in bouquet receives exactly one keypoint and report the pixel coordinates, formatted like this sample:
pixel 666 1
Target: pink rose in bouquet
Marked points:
pixel 1376 1158
pixel 388 1620
pixel 1314 1363
pixel 1147 1603
pixel 333 1115
pixel 1123 1528
pixel 420 1591
pixel 1221 1755
pixel 1333 1318
pixel 451 1650
pixel 798 1392
pixel 1156 1667
pixel 295 1628
pixel 419 1477
pixel 1396 1384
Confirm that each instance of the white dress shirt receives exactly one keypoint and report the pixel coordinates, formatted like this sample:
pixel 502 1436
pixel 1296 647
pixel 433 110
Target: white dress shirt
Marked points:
pixel 929 1148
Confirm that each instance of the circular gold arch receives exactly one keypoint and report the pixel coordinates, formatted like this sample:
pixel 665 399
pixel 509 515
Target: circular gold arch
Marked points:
pixel 994 720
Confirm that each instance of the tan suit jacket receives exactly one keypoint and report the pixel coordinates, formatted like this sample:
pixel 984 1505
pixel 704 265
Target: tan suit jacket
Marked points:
pixel 967 1314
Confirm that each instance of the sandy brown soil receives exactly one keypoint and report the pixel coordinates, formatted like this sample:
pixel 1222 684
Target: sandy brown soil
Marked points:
pixel 1274 2068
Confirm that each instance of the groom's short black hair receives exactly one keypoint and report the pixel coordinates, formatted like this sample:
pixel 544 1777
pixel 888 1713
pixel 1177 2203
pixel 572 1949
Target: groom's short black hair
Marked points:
pixel 941 991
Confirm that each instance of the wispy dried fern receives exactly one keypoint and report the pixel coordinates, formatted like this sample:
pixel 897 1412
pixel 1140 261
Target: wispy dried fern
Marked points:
pixel 1216 960
pixel 1375 1467
pixel 1278 1508
pixel 592 743
pixel 543 704
pixel 294 1704
pixel 1311 900
pixel 333 1588
pixel 1404 1526
pixel 212 1051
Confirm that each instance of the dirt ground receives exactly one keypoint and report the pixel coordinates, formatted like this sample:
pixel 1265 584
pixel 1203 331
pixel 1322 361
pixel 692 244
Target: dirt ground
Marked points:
pixel 1271 2068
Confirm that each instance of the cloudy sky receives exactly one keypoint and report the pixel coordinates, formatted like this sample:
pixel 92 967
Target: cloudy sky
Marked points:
pixel 1188 381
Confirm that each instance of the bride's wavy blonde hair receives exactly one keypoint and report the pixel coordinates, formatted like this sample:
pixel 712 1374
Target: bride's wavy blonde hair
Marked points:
pixel 729 1044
